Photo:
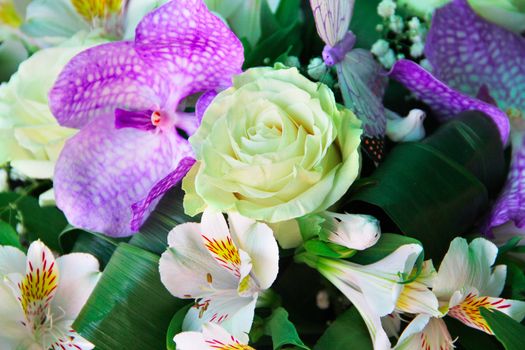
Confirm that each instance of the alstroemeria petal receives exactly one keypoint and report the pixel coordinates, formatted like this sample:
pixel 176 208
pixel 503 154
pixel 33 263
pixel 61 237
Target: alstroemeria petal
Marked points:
pixel 102 172
pixel 467 265
pixel 233 313
pixel 12 260
pixel 425 332
pixel 445 101
pixel 212 337
pixel 99 80
pixel 79 273
pixel 468 310
pixel 510 205
pixel 258 241
pixel 66 338
pixel 472 52
pixel 187 259
pixel 12 331
pixel 184 38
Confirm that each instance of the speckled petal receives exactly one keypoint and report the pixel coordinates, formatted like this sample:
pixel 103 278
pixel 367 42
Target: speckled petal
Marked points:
pixel 203 102
pixel 510 206
pixel 184 38
pixel 99 80
pixel 102 172
pixel 140 208
pixel 470 52
pixel 443 100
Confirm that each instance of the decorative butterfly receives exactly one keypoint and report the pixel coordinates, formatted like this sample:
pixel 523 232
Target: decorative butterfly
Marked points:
pixel 361 78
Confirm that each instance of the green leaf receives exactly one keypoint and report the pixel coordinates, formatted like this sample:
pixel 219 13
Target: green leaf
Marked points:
pixel 436 189
pixel 327 250
pixel 364 22
pixel 286 10
pixel 168 214
pixel 508 331
pixel 515 281
pixel 282 331
pixel 73 239
pixel 130 308
pixel 310 226
pixel 176 326
pixel 8 235
pixel 347 332
pixel 44 223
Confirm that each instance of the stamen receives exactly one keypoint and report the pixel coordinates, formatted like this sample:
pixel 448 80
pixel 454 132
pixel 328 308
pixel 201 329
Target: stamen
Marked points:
pixel 155 118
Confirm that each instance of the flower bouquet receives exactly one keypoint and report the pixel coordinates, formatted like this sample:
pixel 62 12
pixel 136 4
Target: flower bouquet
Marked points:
pixel 262 174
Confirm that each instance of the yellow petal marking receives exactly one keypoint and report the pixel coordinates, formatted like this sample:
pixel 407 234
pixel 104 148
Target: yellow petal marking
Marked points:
pixel 91 9
pixel 38 288
pixel 468 311
pixel 8 14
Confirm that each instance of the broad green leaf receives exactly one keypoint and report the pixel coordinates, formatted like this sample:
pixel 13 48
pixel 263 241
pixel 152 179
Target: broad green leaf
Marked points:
pixel 168 214
pixel 176 326
pixel 437 189
pixel 73 239
pixel 508 331
pixel 8 235
pixel 364 22
pixel 130 308
pixel 470 338
pixel 283 331
pixel 347 332
pixel 44 223
pixel 287 9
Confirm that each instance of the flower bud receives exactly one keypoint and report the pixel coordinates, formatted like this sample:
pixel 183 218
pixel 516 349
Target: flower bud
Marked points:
pixel 354 231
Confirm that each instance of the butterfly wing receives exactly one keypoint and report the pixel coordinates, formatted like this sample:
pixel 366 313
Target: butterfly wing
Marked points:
pixel 332 19
pixel 363 83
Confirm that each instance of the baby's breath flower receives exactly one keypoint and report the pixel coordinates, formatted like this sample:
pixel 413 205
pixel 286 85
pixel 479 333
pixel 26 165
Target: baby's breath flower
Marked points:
pixel 414 23
pixel 380 47
pixel 317 68
pixel 386 8
pixel 292 61
pixel 396 24
pixel 388 60
pixel 416 50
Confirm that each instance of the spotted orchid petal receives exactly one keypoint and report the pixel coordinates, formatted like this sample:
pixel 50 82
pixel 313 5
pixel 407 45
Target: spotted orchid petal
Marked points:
pixel 212 337
pixel 125 97
pixel 445 101
pixel 475 56
pixel 102 172
pixel 470 53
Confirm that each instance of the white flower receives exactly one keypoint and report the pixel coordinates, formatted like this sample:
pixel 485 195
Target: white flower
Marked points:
pixel 41 297
pixel 373 289
pixel 396 24
pixel 386 8
pixel 406 129
pixel 380 48
pixel 416 49
pixel 414 23
pixel 317 68
pixel 388 60
pixel 353 231
pixel 222 269
pixel 212 337
pixel 466 282
pixel 4 185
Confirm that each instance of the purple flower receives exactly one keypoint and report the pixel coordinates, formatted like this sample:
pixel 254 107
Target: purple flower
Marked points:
pixel 483 59
pixel 479 59
pixel 125 98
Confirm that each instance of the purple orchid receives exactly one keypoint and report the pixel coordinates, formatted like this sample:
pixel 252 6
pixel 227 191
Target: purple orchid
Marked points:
pixel 125 98
pixel 482 59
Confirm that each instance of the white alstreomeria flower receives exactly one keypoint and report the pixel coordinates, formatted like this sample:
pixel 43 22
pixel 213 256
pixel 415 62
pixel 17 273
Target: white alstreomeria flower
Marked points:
pixel 223 269
pixel 353 231
pixel 41 297
pixel 212 337
pixel 374 289
pixel 466 282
